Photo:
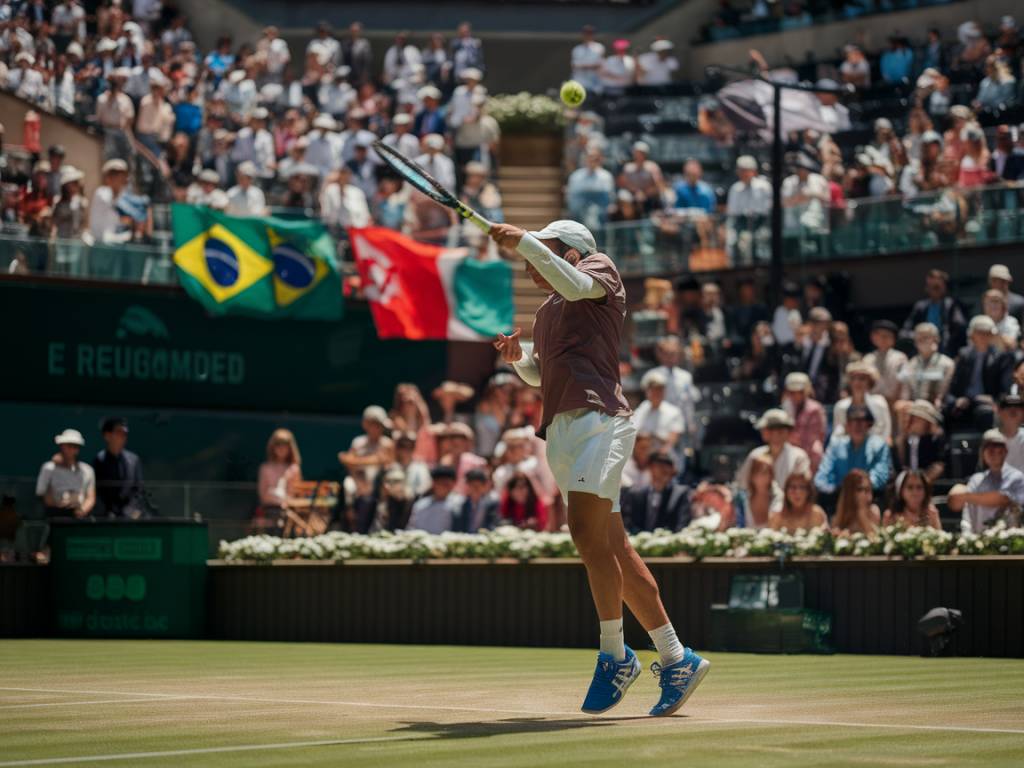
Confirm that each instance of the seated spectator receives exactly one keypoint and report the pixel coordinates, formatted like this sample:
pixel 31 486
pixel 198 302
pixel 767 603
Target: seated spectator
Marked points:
pixel 974 164
pixel 886 359
pixel 927 375
pixel 373 450
pixel 941 310
pixel 912 505
pixel 477 135
pixel 67 489
pixel 991 494
pixel 747 207
pixel 410 413
pixel 637 471
pixel 415 473
pixel 981 375
pixel 815 360
pixel 118 472
pixel 855 70
pixel 389 202
pixel 480 509
pixel 521 506
pixel 861 379
pixel 998 89
pixel 786 318
pixel 481 195
pixel 810 424
pixel 245 198
pixel 897 63
pixel 449 395
pixel 642 177
pixel 715 330
pixel 1007 332
pixel 401 137
pixel 518 457
pixel 798 512
pixel 924 172
pixel 282 468
pixel 776 429
pixel 202 190
pixel 437 511
pixel 618 71
pixel 921 444
pixel 761 361
pixel 106 224
pixel 855 450
pixel 692 191
pixel 658 417
pixel 834 115
pixel 587 57
pixel 856 511
pixel 456 451
pixel 679 387
pixel 746 313
pixel 762 498
pixel 491 413
pixel 657 66
pixel 342 203
pixel 1000 279
pixel 1010 417
pixel 1007 162
pixel 590 191
pixel 806 198
pixel 664 503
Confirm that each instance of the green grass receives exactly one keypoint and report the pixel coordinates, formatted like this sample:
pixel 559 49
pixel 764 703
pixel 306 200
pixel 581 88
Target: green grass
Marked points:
pixel 379 705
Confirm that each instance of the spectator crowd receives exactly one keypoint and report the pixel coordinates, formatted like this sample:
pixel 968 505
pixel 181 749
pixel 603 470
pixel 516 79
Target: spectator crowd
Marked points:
pixel 246 127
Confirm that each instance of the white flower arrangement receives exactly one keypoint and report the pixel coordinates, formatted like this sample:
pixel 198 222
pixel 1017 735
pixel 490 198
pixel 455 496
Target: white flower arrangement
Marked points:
pixel 526 112
pixel 695 542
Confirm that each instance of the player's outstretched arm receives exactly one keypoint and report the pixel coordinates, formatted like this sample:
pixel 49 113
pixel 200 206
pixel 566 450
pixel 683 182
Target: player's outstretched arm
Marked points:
pixel 569 282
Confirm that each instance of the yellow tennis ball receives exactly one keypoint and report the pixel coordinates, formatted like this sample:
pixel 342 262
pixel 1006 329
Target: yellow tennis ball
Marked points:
pixel 572 93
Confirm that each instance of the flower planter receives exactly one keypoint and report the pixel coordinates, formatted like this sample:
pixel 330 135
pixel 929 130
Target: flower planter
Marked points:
pixel 531 149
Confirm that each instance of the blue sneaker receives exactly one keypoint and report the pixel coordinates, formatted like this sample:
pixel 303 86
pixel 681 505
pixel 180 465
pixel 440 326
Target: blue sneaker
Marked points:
pixel 678 681
pixel 611 680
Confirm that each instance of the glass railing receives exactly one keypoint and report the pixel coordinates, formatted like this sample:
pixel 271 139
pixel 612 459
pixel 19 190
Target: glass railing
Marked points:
pixel 228 508
pixel 694 241
pixel 123 262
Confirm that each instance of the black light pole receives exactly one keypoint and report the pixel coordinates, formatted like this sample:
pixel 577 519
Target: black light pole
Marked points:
pixel 775 286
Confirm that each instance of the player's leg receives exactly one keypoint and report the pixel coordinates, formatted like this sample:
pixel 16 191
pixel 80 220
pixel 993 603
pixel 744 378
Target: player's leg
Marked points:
pixel 617 665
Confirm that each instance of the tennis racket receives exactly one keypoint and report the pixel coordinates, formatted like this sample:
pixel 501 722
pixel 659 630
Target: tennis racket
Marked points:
pixel 427 184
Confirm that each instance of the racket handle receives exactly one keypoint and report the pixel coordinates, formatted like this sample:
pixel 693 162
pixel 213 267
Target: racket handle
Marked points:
pixel 475 218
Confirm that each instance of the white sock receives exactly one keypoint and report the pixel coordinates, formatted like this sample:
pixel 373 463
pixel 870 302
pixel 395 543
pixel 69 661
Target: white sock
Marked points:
pixel 667 643
pixel 611 639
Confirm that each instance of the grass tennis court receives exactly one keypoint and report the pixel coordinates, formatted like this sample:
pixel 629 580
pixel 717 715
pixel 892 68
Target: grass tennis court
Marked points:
pixel 165 703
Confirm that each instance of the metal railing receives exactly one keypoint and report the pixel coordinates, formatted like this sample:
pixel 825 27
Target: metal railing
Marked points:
pixel 691 240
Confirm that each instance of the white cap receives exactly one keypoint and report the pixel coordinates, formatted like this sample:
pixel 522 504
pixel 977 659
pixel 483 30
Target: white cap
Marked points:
pixel 260 113
pixel 472 73
pixel 70 437
pixel 236 76
pixel 642 146
pixel 26 56
pixel 1000 272
pixel 378 414
pixel 69 173
pixel 325 122
pixel 218 200
pixel 402 118
pixel 209 176
pixel 662 45
pixel 115 165
pixel 428 92
pixel 246 168
pixel 572 233
pixel 106 44
pixel 434 141
pixel 746 163
pixel 981 324
pixel 75 49
pixel 654 378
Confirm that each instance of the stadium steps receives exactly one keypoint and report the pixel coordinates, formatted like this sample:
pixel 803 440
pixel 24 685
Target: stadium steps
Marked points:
pixel 531 196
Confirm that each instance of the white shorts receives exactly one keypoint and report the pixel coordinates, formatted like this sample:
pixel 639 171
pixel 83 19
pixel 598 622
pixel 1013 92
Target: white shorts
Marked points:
pixel 587 451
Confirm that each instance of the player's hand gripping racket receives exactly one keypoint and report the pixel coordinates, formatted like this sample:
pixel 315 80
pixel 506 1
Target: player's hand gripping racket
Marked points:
pixel 427 184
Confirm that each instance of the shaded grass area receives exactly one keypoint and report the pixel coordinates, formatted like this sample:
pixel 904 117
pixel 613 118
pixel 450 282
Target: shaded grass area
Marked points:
pixel 277 704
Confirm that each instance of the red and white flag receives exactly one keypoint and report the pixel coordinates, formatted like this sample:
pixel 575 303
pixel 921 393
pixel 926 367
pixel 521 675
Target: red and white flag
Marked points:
pixel 423 291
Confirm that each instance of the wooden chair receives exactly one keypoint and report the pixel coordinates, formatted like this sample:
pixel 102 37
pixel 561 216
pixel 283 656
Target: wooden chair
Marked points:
pixel 310 503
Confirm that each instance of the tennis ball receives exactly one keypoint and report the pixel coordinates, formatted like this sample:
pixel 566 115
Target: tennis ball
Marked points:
pixel 572 93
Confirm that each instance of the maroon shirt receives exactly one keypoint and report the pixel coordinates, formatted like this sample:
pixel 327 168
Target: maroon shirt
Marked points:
pixel 577 344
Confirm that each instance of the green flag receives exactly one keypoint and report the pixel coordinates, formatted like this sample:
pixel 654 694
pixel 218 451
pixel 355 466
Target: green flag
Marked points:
pixel 256 265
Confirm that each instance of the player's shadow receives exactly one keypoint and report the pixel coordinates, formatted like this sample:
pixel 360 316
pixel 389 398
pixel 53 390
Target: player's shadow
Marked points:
pixel 513 725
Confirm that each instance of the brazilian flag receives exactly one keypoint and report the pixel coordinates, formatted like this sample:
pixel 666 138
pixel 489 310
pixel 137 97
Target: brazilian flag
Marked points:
pixel 256 265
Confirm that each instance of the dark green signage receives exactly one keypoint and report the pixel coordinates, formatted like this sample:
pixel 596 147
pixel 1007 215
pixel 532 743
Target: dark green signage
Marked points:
pixel 157 347
pixel 124 579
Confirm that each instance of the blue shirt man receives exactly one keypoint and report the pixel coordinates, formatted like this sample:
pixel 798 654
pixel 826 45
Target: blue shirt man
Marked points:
pixel 896 63
pixel 692 191
pixel 857 450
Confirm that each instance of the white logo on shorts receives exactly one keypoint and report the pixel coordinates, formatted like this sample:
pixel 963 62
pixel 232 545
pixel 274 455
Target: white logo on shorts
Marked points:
pixel 581 480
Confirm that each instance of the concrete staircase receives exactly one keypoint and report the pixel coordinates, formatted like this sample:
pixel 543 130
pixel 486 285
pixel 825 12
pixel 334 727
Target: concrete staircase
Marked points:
pixel 532 196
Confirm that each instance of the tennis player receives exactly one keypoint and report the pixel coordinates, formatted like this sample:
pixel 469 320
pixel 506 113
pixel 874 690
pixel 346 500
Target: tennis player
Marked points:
pixel 575 361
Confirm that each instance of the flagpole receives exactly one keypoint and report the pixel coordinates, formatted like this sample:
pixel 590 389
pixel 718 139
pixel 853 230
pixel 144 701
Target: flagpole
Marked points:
pixel 776 273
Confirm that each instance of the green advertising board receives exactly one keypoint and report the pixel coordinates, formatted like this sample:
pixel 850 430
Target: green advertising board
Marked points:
pixel 132 345
pixel 129 579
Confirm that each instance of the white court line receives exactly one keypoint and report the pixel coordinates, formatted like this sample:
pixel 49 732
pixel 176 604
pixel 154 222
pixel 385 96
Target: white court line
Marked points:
pixel 436 707
pixel 35 705
pixel 201 751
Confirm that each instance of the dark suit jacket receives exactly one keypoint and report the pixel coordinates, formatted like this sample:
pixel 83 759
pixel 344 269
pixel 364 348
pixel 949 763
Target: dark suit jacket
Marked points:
pixel 119 484
pixel 996 373
pixel 953 328
pixel 1013 168
pixel 674 513
pixel 930 449
pixel 462 521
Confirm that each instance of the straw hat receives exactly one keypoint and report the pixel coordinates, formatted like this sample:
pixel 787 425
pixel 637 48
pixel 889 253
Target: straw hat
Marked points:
pixel 461 392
